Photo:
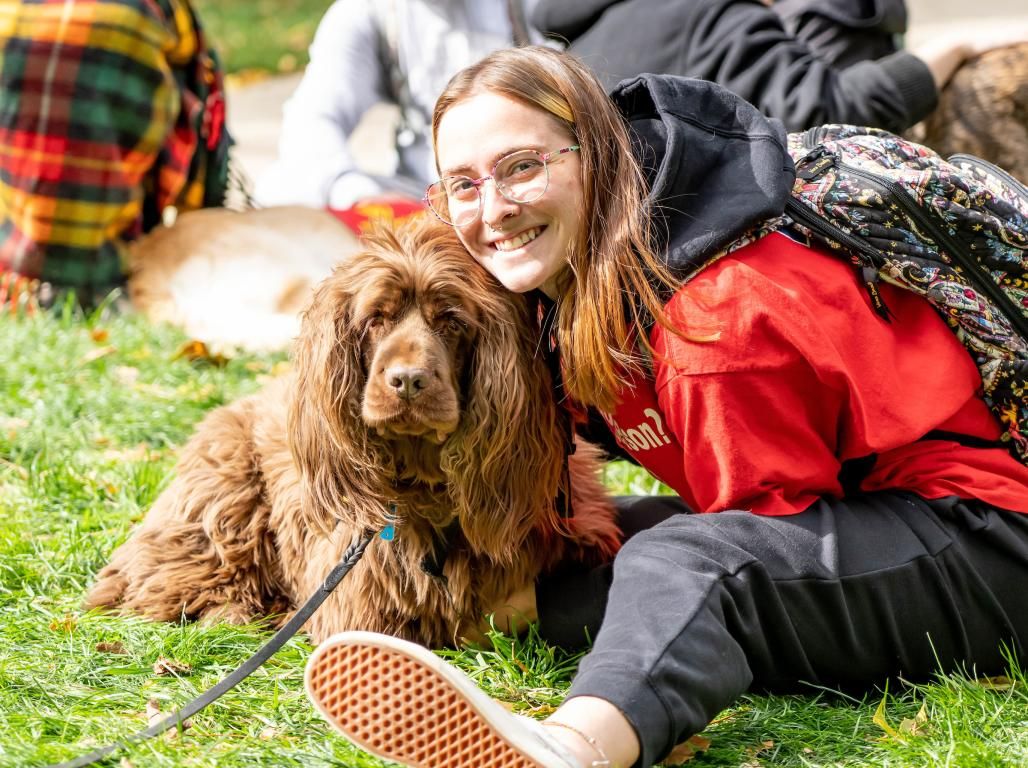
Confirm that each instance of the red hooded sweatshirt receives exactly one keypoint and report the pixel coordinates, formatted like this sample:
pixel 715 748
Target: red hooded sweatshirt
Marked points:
pixel 802 376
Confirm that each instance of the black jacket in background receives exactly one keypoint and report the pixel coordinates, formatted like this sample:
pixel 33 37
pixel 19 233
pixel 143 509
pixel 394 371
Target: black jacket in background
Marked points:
pixel 744 46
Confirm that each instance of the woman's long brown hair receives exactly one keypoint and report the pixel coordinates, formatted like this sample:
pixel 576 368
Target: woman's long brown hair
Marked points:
pixel 612 292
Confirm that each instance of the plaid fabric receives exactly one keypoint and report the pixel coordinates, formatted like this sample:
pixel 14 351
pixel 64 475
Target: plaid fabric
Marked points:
pixel 110 110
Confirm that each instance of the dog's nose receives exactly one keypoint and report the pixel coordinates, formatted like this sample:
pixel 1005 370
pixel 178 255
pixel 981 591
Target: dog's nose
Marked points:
pixel 407 383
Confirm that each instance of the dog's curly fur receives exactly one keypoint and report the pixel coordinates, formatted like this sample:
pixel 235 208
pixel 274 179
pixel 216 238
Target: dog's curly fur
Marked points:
pixel 417 384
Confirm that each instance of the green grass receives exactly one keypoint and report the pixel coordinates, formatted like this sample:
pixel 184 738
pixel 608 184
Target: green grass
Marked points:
pixel 92 410
pixel 261 35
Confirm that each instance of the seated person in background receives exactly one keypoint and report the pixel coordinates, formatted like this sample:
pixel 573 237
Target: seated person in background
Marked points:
pixel 110 112
pixel 371 51
pixel 805 62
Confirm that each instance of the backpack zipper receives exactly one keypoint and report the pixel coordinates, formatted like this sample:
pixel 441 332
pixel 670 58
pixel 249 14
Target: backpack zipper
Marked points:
pixel 973 271
pixel 995 170
pixel 870 257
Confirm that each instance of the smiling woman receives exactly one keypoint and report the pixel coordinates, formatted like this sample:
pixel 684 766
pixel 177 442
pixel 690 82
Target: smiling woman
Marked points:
pixel 855 533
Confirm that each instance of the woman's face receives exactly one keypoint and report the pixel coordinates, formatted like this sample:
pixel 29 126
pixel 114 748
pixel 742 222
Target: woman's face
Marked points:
pixel 523 245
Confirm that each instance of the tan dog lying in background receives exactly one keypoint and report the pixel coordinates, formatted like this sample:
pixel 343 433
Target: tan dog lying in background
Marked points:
pixel 418 392
pixel 237 278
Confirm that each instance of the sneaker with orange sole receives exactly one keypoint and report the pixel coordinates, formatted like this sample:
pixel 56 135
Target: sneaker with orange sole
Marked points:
pixel 402 703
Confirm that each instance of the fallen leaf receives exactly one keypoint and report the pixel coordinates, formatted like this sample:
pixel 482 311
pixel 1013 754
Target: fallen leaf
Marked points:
pixel 95 354
pixel 245 77
pixel 165 666
pixel 915 726
pixel 18 470
pixel 154 716
pixel 998 683
pixel 687 750
pixel 115 647
pixel 99 335
pixel 67 624
pixel 880 720
pixel 196 351
pixel 764 746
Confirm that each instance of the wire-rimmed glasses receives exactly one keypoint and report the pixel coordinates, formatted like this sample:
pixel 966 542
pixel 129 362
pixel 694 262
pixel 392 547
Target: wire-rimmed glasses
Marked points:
pixel 521 177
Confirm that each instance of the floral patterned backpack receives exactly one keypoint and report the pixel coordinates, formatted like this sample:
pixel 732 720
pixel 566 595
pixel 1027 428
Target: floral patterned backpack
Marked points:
pixel 954 232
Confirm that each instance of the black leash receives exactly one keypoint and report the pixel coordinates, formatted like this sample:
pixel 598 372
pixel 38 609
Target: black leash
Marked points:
pixel 349 559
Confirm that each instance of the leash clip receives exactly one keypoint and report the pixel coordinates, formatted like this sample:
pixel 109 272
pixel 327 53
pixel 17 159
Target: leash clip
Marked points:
pixel 388 533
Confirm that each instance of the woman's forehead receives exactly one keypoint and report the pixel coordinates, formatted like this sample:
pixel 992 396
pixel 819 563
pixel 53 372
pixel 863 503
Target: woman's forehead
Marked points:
pixel 477 131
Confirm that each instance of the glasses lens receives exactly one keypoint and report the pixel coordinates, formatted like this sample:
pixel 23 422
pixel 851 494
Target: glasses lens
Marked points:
pixel 435 196
pixel 522 177
pixel 454 199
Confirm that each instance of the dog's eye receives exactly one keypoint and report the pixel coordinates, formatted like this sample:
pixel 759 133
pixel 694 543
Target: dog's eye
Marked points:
pixel 454 325
pixel 376 320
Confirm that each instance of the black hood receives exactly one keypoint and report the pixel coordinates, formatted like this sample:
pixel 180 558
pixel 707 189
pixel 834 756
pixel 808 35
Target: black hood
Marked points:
pixel 716 166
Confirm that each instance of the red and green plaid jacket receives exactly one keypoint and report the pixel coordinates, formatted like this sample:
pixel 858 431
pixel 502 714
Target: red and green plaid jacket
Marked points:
pixel 110 111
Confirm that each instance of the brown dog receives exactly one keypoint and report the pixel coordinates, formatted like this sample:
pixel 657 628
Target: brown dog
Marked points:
pixel 418 393
pixel 983 111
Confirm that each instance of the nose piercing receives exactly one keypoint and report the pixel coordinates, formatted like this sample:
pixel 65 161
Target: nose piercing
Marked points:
pixel 499 229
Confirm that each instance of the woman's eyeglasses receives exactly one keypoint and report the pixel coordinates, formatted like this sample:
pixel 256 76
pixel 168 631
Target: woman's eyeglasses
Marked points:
pixel 521 177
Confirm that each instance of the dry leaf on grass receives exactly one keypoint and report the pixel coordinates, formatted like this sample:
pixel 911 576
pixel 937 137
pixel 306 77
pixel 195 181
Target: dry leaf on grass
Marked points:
pixel 916 725
pixel 66 625
pixel 99 335
pixel 154 716
pixel 115 647
pixel 196 351
pixel 95 354
pixel 910 726
pixel 687 750
pixel 998 683
pixel 165 666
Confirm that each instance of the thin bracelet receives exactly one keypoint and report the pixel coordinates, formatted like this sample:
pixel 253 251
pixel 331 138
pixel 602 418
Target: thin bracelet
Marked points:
pixel 603 762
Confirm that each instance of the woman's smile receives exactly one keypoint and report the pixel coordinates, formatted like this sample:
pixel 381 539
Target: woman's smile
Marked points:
pixel 519 240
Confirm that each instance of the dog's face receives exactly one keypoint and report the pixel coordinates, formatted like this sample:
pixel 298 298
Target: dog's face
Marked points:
pixel 416 335
pixel 417 373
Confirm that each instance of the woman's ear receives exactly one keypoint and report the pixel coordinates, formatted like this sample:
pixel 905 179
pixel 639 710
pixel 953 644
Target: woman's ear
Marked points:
pixel 505 460
pixel 326 435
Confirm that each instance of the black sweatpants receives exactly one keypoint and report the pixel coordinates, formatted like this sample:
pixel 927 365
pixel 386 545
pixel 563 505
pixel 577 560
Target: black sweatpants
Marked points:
pixel 697 609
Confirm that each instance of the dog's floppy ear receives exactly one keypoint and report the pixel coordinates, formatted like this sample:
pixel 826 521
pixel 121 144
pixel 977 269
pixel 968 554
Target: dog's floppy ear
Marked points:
pixel 505 460
pixel 330 448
